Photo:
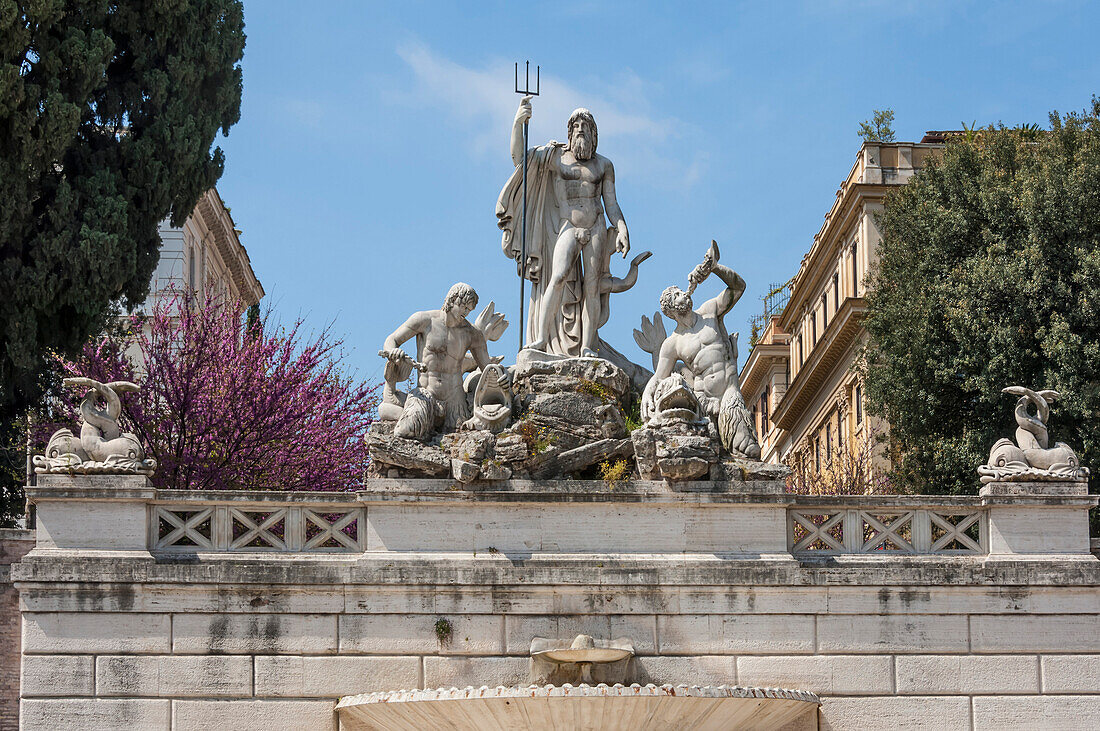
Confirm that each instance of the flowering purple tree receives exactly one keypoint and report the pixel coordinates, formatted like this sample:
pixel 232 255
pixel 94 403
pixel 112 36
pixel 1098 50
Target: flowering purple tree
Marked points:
pixel 226 406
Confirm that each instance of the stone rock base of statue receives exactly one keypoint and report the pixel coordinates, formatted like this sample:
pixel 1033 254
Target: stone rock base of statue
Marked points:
pixel 568 417
pixel 733 469
pixel 465 455
pixel 570 412
pixel 677 451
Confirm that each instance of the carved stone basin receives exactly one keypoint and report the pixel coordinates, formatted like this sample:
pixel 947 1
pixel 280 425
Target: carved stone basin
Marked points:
pixel 582 653
pixel 551 707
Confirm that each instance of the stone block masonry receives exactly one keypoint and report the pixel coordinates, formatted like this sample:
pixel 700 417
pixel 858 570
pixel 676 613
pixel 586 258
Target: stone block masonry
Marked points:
pixel 178 639
pixel 14 544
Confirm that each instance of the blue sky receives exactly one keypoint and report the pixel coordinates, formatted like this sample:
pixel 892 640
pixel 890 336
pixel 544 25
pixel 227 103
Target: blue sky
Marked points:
pixel 373 139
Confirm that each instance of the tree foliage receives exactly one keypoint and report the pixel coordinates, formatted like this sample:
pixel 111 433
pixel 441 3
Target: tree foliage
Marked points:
pixel 108 111
pixel 988 276
pixel 880 128
pixel 223 406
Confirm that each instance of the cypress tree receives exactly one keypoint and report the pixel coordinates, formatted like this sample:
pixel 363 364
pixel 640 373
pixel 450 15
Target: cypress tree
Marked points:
pixel 108 110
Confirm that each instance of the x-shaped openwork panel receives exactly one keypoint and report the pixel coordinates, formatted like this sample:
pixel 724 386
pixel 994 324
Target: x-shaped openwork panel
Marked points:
pixel 331 531
pixel 887 532
pixel 184 528
pixel 258 530
pixel 956 532
pixel 818 532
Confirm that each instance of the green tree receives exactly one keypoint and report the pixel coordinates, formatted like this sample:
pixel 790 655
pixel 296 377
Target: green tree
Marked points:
pixel 989 263
pixel 879 128
pixel 108 109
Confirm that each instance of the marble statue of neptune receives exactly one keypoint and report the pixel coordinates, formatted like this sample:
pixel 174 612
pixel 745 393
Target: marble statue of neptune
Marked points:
pixel 569 243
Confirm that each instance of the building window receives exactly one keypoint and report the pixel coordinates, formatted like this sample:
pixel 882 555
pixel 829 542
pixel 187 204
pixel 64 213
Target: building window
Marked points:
pixel 836 292
pixel 829 443
pixel 813 328
pixel 855 272
pixel 764 413
pixel 859 403
pixel 839 431
pixel 824 313
pixel 191 268
pixel 798 349
pixel 817 454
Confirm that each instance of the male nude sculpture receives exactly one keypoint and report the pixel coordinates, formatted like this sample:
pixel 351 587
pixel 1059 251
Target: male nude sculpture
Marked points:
pixel 701 342
pixel 572 186
pixel 443 338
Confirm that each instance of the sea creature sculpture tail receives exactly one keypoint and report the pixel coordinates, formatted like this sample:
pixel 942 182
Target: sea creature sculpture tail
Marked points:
pixel 735 426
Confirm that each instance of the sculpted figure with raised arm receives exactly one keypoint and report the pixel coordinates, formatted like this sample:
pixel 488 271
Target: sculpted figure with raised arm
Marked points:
pixel 708 354
pixel 569 244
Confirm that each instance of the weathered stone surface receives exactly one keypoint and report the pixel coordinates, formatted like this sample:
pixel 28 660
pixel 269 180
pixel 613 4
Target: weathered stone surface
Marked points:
pixel 92 632
pixel 1034 488
pixel 1071 673
pixel 79 524
pixel 249 633
pixel 57 675
pixel 1008 713
pixel 569 375
pixel 451 672
pixel 677 451
pixel 680 469
pixel 270 715
pixel 892 633
pixel 408 634
pixel 407 453
pixel 470 446
pixel 464 471
pixel 748 470
pixel 493 470
pixel 777 634
pixel 1006 633
pixel 227 676
pixel 332 677
pixel 106 714
pixel 823 674
pixel 639 630
pixel 574 460
pixel 510 448
pixel 570 420
pixel 645 453
pixel 913 713
pixel 694 670
pixel 967 674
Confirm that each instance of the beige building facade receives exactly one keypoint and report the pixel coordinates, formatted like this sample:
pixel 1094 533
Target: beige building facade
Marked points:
pixel 205 255
pixel 799 381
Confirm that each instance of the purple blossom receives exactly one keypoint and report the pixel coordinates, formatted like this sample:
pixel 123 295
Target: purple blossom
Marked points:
pixel 223 406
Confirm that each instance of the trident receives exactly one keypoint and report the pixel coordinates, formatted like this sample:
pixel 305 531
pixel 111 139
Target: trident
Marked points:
pixel 525 91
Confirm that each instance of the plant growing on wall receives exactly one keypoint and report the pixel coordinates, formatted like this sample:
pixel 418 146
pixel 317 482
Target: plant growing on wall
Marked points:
pixel 880 128
pixel 229 407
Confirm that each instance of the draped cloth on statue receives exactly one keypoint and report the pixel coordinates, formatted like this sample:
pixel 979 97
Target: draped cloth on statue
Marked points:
pixel 544 222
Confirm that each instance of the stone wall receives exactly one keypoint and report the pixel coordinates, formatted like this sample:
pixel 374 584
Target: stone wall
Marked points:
pixel 14 544
pixel 248 636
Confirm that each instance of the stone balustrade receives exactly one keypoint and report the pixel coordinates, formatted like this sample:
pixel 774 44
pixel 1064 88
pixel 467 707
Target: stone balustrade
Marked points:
pixel 577 516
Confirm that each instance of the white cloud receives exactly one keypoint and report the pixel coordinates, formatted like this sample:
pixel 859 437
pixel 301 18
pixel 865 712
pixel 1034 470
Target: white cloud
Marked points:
pixel 484 101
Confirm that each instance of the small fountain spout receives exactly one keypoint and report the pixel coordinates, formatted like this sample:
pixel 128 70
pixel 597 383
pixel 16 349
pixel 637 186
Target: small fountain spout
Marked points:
pixel 582 653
